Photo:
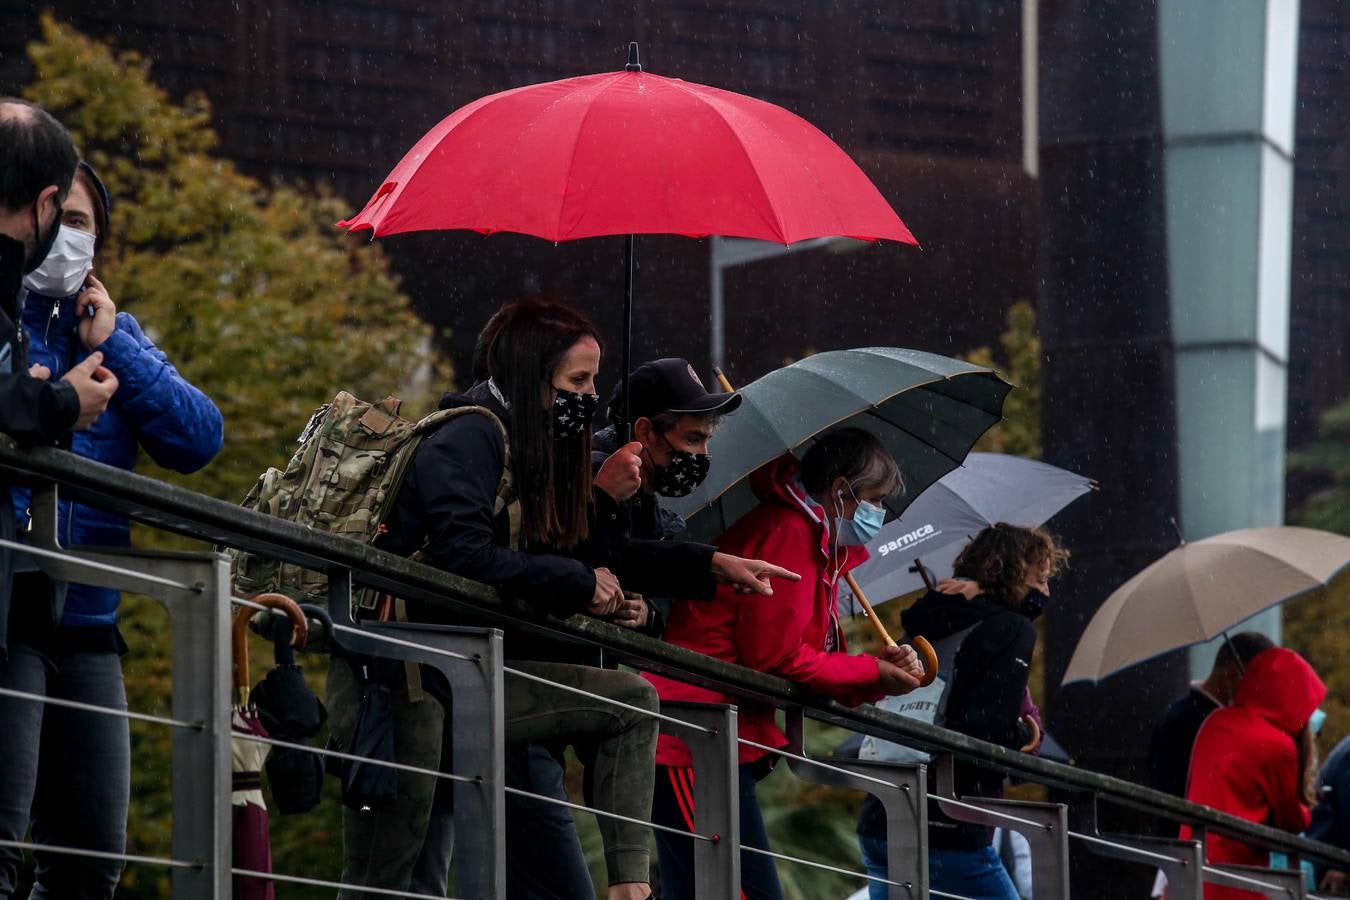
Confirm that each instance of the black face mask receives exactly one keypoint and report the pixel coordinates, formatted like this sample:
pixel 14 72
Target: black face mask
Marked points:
pixel 44 242
pixel 1034 603
pixel 573 412
pixel 682 474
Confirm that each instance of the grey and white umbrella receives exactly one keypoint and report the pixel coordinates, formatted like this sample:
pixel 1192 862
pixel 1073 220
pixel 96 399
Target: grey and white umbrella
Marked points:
pixel 987 488
pixel 927 409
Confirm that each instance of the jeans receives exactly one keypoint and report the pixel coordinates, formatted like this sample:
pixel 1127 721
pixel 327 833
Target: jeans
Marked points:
pixel 673 807
pixel 64 772
pixel 977 874
pixel 617 746
pixel 544 860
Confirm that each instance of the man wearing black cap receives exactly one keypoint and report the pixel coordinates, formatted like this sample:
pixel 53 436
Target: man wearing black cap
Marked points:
pixel 674 417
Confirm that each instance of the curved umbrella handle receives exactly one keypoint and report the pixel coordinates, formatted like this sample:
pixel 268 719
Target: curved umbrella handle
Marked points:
pixel 929 657
pixel 1035 734
pixel 239 635
pixel 921 646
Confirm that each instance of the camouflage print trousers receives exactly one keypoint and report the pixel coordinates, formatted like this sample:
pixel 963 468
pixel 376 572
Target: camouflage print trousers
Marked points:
pixel 392 849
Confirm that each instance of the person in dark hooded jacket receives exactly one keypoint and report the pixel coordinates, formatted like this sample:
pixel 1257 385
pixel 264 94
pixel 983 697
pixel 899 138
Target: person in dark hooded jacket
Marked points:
pixel 985 643
pixel 70 767
pixel 1256 759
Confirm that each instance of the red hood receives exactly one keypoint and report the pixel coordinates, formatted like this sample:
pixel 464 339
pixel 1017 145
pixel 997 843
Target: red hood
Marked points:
pixel 776 482
pixel 771 481
pixel 1280 687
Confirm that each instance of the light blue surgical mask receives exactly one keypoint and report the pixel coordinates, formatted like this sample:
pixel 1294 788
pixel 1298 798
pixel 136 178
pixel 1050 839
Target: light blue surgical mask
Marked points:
pixel 1318 719
pixel 865 524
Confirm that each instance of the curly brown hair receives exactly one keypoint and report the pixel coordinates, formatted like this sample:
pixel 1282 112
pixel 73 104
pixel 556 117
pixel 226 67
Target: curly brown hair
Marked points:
pixel 1000 557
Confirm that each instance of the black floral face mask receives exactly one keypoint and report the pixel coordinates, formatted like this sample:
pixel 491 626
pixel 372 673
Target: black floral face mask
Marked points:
pixel 684 472
pixel 573 412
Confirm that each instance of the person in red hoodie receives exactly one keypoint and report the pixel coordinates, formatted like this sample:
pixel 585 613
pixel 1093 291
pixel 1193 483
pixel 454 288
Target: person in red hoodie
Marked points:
pixel 1256 758
pixel 813 518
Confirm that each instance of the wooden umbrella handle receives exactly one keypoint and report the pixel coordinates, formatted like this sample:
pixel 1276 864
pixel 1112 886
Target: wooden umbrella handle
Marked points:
pixel 1035 734
pixel 239 635
pixel 920 645
pixel 722 380
pixel 868 611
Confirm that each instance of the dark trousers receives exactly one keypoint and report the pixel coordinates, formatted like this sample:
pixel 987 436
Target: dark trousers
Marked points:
pixel 67 771
pixel 673 806
pixel 544 860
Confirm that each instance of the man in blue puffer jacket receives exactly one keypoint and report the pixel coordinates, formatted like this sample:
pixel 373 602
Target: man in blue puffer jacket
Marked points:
pixel 68 771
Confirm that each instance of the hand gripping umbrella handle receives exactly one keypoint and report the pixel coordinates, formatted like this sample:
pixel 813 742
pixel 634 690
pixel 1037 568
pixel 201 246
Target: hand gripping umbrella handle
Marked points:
pixel 924 649
pixel 239 635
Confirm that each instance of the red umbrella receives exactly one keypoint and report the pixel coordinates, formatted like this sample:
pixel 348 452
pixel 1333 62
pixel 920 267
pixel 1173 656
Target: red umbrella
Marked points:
pixel 629 153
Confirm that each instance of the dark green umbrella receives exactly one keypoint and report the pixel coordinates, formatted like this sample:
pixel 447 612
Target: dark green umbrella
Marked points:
pixel 929 410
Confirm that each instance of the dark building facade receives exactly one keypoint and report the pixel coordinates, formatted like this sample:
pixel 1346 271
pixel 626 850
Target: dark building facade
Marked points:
pixel 926 95
pixel 1319 315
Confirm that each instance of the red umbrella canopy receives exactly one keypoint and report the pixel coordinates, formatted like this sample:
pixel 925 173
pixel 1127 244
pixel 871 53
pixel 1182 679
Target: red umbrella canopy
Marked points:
pixel 629 153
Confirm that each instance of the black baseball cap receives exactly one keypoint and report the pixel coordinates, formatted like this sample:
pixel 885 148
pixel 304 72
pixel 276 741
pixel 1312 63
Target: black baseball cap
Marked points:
pixel 668 385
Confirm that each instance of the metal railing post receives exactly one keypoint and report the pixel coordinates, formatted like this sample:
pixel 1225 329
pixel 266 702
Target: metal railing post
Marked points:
pixel 471 661
pixel 200 630
pixel 717 811
pixel 1044 825
pixel 905 799
pixel 1181 862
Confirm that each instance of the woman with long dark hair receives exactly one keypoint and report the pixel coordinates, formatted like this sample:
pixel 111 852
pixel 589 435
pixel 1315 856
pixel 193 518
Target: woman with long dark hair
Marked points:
pixel 502 494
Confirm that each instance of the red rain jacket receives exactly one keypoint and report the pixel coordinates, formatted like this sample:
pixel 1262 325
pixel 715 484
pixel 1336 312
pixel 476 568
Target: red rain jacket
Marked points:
pixel 785 634
pixel 1245 760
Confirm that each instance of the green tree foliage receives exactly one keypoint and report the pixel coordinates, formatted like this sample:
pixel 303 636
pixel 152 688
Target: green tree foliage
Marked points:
pixel 1019 362
pixel 1328 460
pixel 250 290
pixel 257 300
pixel 1316 626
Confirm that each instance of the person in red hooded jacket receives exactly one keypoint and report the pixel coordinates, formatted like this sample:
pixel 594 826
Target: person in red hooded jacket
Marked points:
pixel 814 518
pixel 1255 759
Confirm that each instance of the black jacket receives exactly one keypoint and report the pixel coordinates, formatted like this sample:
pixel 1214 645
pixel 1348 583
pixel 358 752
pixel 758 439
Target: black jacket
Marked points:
pixel 31 411
pixel 642 518
pixel 445 508
pixel 984 700
pixel 1331 818
pixel 1169 750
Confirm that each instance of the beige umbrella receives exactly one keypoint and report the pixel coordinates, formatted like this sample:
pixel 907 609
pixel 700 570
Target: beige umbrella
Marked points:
pixel 1201 590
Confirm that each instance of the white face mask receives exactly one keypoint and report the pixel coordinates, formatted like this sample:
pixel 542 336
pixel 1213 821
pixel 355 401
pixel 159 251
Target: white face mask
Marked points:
pixel 63 272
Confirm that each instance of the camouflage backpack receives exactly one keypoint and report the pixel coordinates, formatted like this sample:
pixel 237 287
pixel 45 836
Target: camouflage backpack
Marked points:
pixel 343 480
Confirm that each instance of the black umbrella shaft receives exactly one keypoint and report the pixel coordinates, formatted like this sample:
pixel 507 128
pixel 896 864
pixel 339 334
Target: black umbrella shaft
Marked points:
pixel 627 332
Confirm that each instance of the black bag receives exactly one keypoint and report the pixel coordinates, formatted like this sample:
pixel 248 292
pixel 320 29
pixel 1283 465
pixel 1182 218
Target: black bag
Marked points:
pixel 290 711
pixel 296 779
pixel 364 785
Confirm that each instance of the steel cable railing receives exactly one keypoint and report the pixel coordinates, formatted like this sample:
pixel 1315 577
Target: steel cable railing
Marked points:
pixel 186 513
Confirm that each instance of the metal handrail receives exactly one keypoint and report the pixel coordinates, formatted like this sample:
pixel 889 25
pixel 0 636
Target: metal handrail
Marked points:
pixel 185 512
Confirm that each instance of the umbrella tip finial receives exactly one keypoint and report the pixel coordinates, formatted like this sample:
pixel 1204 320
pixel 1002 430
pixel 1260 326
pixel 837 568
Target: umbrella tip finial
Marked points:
pixel 633 64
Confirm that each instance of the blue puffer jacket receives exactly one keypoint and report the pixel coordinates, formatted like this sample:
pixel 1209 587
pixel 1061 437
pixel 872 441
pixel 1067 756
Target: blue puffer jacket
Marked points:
pixel 154 407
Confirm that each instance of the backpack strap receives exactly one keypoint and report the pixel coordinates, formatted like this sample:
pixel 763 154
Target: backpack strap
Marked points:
pixel 506 493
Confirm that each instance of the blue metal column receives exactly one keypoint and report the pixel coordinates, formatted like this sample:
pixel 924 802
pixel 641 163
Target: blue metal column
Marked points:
pixel 1228 71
